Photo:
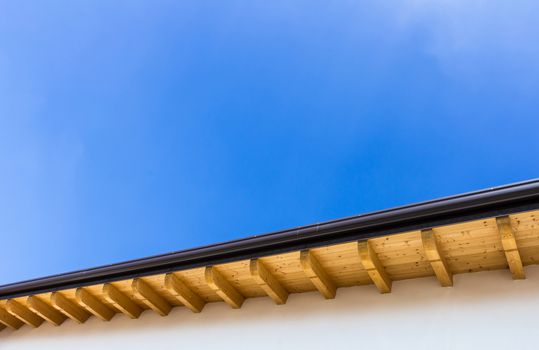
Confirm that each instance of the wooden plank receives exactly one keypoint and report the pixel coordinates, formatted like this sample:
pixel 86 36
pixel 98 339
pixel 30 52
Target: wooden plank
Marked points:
pixel 223 288
pixel 466 247
pixel 183 293
pixel 374 268
pixel 316 273
pixel 268 282
pixel 9 320
pixel 69 308
pixel 45 311
pixel 24 314
pixel 150 297
pixel 436 259
pixel 93 305
pixel 510 247
pixel 121 301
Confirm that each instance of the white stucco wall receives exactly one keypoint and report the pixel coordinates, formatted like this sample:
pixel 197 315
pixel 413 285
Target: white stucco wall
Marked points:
pixel 483 310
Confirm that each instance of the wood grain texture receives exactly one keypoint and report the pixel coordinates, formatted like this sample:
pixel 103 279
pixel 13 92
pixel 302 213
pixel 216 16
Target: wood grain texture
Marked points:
pixel 183 293
pixel 268 282
pixel 150 297
pixel 477 245
pixel 45 311
pixel 316 273
pixel 69 308
pixel 436 258
pixel 93 305
pixel 223 288
pixel 510 247
pixel 121 301
pixel 9 320
pixel 371 263
pixel 23 313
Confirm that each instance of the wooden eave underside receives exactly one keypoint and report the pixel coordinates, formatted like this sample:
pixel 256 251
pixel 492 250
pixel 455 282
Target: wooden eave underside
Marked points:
pixel 488 244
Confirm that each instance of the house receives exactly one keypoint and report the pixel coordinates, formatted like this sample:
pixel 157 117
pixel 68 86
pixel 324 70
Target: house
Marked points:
pixel 451 273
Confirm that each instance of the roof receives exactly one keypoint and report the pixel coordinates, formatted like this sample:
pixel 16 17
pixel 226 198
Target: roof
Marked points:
pixel 495 228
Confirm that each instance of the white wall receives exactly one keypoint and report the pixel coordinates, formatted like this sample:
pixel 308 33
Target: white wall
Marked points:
pixel 483 310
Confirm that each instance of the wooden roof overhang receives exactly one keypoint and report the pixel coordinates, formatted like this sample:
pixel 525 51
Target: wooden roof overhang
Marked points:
pixel 496 228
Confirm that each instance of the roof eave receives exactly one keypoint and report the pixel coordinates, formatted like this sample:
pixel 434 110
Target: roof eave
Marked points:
pixel 503 200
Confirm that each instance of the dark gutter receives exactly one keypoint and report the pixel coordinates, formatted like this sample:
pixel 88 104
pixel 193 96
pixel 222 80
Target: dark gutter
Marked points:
pixel 514 198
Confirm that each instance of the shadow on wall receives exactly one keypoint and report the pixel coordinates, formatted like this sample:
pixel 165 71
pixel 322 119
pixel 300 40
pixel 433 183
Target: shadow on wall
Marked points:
pixel 415 311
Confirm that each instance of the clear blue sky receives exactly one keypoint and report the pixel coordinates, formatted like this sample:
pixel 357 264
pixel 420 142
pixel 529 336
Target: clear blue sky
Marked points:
pixel 133 128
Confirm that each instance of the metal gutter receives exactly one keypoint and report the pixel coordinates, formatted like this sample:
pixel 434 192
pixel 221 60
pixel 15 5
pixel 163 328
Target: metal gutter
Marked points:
pixel 503 200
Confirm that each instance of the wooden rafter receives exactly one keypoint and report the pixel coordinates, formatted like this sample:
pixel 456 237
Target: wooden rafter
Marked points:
pixel 45 311
pixel 267 282
pixel 510 247
pixel 121 301
pixel 436 258
pixel 93 305
pixel 9 320
pixel 375 269
pixel 223 288
pixel 468 246
pixel 183 293
pixel 150 297
pixel 316 273
pixel 23 313
pixel 69 308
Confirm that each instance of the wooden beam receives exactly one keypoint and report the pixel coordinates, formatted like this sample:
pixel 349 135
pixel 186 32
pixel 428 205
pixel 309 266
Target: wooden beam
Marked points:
pixel 23 313
pixel 150 297
pixel 223 288
pixel 371 263
pixel 183 293
pixel 510 247
pixel 317 274
pixel 9 320
pixel 69 308
pixel 45 311
pixel 436 259
pixel 93 305
pixel 268 282
pixel 121 301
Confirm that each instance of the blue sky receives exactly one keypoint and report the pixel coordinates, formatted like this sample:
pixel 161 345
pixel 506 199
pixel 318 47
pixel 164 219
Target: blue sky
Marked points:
pixel 132 128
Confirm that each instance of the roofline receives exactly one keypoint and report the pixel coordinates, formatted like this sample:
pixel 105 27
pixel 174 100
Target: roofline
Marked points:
pixel 503 200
